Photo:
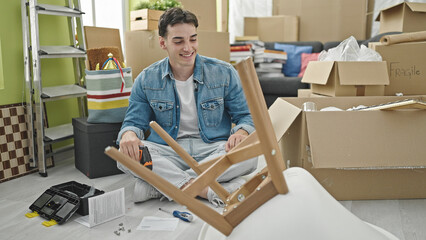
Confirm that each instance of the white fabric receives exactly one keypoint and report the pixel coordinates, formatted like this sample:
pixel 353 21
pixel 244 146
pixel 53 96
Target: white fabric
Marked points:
pixel 306 212
pixel 188 124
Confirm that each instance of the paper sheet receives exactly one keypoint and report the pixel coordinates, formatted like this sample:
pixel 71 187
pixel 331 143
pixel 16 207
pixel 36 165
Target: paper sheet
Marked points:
pixel 104 208
pixel 158 224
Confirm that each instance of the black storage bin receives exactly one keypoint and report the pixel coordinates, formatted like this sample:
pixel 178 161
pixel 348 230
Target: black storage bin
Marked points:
pixel 80 190
pixel 90 141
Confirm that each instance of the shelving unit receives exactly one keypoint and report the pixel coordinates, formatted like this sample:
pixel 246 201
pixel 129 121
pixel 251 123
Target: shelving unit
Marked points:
pixel 36 93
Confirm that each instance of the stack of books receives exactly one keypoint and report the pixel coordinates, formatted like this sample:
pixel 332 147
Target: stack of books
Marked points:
pixel 257 47
pixel 240 51
pixel 272 63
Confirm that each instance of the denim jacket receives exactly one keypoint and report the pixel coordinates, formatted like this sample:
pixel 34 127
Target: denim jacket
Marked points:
pixel 219 99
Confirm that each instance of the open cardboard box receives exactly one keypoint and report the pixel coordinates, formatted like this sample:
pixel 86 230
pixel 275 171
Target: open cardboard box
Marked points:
pixel 357 154
pixel 338 78
pixel 403 17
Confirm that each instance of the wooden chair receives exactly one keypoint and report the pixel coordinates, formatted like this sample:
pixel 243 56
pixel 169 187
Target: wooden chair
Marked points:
pixel 239 204
pixel 267 184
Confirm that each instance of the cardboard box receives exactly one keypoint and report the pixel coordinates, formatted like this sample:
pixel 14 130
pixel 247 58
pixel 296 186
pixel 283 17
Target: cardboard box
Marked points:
pixel 144 19
pixel 327 20
pixel 273 29
pixel 403 17
pixel 357 154
pixel 303 93
pixel 212 15
pixel 406 67
pixel 143 48
pixel 335 78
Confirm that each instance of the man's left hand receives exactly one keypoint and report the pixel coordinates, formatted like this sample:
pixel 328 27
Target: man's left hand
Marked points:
pixel 235 138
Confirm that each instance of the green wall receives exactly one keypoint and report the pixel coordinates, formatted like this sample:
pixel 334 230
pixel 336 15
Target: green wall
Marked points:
pixel 11 50
pixel 1 70
pixel 132 3
pixel 53 31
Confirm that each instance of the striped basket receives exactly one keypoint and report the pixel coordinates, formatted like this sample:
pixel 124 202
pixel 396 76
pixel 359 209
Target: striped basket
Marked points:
pixel 107 101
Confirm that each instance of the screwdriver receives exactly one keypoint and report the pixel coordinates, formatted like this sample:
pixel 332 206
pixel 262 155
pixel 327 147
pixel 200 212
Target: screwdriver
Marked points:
pixel 185 216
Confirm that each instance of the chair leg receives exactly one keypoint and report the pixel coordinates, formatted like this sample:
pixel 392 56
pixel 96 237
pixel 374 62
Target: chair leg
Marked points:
pixel 197 207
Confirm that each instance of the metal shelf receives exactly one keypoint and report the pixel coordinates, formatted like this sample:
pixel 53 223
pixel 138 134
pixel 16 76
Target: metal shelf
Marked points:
pixel 57 10
pixel 61 52
pixel 62 92
pixel 58 133
pixel 36 94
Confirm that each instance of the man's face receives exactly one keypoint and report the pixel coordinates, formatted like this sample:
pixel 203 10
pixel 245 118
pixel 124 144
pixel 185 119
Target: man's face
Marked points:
pixel 181 44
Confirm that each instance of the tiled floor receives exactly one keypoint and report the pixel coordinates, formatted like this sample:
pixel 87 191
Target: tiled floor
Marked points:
pixel 404 218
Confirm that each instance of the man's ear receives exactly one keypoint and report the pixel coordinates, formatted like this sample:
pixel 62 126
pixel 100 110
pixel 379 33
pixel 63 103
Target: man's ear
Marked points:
pixel 162 42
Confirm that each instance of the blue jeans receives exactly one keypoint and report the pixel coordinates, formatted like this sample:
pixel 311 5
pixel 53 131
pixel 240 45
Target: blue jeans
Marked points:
pixel 167 163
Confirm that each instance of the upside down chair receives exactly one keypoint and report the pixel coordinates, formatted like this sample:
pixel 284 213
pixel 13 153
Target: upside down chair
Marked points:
pixel 276 203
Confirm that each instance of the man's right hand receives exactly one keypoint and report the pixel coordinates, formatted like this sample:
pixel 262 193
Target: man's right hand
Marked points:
pixel 129 145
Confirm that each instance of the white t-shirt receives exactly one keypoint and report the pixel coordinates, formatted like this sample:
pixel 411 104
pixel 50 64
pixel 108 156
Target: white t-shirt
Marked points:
pixel 188 110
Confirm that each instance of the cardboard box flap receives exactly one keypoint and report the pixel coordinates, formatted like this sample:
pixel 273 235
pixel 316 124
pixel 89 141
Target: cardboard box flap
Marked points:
pixel 363 73
pixel 281 122
pixel 318 72
pixel 385 9
pixel 416 6
pixel 376 139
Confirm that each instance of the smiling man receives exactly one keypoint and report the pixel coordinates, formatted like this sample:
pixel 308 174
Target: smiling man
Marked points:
pixel 193 98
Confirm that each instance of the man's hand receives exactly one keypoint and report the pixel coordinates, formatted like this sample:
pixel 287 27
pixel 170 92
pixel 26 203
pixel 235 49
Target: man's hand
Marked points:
pixel 235 138
pixel 129 145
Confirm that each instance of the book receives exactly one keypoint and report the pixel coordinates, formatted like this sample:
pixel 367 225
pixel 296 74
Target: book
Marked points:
pixel 246 38
pixel 241 54
pixel 270 65
pixel 237 59
pixel 274 60
pixel 246 47
pixel 275 54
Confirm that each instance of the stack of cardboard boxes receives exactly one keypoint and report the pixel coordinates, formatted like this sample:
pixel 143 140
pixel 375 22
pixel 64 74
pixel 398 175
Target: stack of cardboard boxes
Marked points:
pixel 364 154
pixel 143 49
pixel 353 154
pixel 312 20
pixel 282 28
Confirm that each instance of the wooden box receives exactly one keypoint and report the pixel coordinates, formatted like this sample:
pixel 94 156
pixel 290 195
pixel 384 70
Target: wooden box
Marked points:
pixel 144 19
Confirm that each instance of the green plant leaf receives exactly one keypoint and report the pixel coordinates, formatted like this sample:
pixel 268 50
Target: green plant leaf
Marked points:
pixel 158 4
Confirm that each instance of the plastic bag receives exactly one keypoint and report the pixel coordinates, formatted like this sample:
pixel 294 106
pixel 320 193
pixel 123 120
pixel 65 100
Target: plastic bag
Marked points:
pixel 349 50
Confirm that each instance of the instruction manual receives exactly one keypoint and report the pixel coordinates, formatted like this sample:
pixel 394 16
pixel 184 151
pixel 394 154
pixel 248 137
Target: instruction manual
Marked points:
pixel 104 208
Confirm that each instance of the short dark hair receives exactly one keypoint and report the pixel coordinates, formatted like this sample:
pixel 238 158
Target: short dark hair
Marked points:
pixel 174 16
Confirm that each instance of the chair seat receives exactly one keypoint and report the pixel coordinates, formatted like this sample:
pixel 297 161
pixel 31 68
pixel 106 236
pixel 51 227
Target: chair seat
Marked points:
pixel 307 211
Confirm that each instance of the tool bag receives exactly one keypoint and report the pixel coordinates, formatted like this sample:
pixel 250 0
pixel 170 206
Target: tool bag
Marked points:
pixel 108 93
pixel 60 202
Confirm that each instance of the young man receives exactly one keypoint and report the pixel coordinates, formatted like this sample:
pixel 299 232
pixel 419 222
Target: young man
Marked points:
pixel 193 98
